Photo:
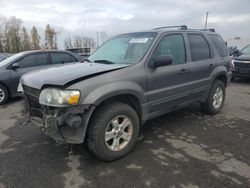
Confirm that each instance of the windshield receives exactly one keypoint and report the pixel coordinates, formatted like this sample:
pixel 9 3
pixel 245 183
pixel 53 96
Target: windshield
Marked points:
pixel 10 59
pixel 124 49
pixel 246 50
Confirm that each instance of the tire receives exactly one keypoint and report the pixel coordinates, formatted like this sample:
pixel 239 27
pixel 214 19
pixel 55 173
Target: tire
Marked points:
pixel 103 122
pixel 214 106
pixel 4 94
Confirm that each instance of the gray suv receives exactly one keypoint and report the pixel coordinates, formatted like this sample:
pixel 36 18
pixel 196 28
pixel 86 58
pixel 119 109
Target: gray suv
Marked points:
pixel 130 79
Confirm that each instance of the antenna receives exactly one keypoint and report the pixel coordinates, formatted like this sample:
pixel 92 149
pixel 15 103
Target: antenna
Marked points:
pixel 206 20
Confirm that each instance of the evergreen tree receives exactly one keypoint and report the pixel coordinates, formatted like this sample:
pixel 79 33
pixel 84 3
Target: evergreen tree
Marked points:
pixel 35 39
pixel 25 40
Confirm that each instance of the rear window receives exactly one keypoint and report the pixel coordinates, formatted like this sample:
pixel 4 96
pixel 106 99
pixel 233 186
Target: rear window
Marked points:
pixel 199 47
pixel 219 45
pixel 60 58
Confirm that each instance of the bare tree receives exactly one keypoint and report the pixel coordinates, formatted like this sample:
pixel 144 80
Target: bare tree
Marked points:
pixel 79 41
pixel 12 38
pixel 2 21
pixel 68 43
pixel 50 37
pixel 103 36
pixel 26 45
pixel 35 39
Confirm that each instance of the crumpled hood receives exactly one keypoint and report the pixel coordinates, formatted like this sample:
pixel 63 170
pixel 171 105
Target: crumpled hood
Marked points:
pixel 63 75
pixel 243 57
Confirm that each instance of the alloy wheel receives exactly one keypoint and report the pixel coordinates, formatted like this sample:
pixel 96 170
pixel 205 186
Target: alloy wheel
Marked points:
pixel 118 133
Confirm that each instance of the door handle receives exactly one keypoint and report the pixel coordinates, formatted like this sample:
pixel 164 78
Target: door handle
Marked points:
pixel 211 66
pixel 183 71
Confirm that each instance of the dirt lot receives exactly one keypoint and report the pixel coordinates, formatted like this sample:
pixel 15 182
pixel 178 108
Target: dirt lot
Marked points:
pixel 180 149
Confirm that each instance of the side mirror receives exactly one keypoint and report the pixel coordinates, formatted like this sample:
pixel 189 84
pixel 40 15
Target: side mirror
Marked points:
pixel 162 60
pixel 15 66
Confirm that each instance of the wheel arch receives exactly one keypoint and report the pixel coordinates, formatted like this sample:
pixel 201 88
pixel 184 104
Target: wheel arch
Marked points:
pixel 223 78
pixel 220 73
pixel 7 87
pixel 128 99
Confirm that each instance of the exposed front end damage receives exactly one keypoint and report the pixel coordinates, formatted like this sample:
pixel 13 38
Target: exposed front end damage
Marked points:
pixel 64 125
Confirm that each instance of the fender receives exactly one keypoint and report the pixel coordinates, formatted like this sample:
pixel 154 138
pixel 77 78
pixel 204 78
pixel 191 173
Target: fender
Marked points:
pixel 114 89
pixel 218 71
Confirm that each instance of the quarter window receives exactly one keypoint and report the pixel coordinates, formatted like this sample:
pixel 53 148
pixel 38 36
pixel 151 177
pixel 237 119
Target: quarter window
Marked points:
pixel 60 58
pixel 199 47
pixel 219 45
pixel 172 45
pixel 33 60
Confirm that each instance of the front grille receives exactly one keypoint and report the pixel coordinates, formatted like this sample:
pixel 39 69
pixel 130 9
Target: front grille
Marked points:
pixel 239 64
pixel 32 97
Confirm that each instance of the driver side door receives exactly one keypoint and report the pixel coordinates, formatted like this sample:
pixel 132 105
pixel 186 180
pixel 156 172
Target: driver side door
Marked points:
pixel 167 84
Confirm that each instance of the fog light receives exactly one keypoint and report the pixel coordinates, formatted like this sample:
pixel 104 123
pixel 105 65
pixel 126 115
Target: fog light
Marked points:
pixel 74 121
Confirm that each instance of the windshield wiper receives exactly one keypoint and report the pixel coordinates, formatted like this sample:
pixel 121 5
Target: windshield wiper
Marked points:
pixel 104 61
pixel 87 60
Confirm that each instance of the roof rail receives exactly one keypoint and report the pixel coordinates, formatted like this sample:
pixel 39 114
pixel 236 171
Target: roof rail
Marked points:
pixel 177 26
pixel 211 30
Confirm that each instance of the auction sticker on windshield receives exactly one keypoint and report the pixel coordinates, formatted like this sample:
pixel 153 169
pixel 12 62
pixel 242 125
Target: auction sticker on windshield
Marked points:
pixel 138 40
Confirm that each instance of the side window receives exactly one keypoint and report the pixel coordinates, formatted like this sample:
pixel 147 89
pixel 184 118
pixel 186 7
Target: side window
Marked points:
pixel 73 59
pixel 172 45
pixel 219 44
pixel 33 60
pixel 60 58
pixel 199 47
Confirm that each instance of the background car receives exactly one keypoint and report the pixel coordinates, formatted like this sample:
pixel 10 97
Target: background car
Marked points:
pixel 233 51
pixel 4 56
pixel 12 68
pixel 242 63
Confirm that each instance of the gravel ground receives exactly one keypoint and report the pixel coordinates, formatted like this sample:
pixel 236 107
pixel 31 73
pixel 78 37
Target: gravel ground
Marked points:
pixel 181 149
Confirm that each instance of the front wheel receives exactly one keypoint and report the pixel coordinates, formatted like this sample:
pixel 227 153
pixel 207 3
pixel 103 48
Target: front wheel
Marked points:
pixel 215 99
pixel 4 94
pixel 113 131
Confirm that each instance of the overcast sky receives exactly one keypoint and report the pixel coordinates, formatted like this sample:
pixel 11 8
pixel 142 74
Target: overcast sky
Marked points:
pixel 231 18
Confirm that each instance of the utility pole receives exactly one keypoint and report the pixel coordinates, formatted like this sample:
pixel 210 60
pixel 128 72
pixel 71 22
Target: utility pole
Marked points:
pixel 206 20
pixel 97 39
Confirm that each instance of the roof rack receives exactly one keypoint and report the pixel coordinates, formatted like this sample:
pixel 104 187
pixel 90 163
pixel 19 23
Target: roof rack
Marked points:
pixel 211 30
pixel 177 26
pixel 184 27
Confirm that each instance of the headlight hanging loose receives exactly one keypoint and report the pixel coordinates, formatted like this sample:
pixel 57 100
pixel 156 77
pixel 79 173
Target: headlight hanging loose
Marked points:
pixel 59 98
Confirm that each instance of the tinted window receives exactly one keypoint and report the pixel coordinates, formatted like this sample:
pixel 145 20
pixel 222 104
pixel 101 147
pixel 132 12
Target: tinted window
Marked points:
pixel 59 58
pixel 219 44
pixel 199 47
pixel 172 45
pixel 33 60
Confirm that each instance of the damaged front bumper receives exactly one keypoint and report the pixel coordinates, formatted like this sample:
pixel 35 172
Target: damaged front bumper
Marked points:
pixel 64 125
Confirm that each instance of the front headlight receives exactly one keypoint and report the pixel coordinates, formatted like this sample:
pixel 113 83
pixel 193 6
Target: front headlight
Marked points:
pixel 59 98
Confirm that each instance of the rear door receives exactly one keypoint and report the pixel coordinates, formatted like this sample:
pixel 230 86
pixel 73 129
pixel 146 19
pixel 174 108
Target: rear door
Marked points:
pixel 167 84
pixel 26 64
pixel 200 65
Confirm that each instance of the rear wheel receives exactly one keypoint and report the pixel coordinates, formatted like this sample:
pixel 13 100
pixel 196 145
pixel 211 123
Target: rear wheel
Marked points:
pixel 4 94
pixel 113 131
pixel 215 98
